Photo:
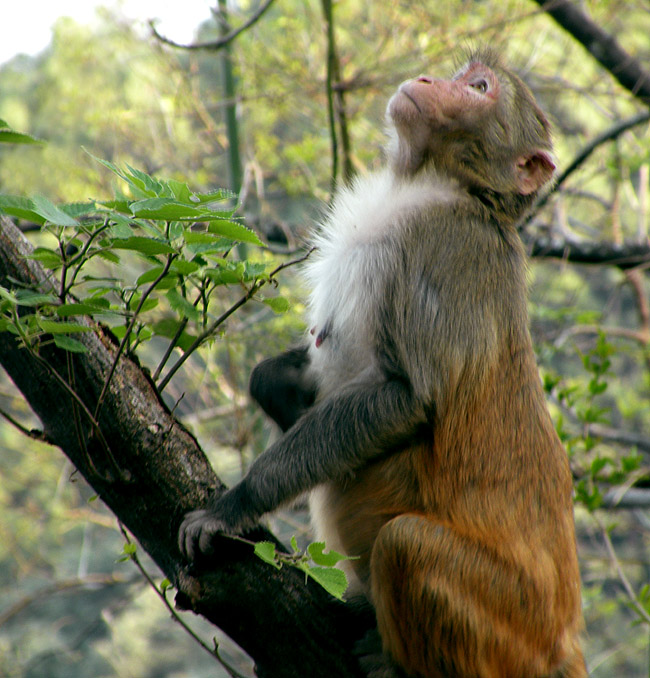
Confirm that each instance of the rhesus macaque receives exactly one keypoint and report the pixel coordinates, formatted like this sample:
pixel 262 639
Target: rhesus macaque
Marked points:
pixel 428 449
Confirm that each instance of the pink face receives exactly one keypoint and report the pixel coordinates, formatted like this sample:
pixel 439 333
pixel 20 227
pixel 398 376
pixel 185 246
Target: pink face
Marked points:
pixel 445 104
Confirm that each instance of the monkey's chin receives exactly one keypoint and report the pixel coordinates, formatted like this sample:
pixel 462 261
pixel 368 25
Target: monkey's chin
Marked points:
pixel 403 110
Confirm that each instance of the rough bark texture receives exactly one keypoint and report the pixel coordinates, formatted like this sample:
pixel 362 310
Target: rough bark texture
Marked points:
pixel 150 471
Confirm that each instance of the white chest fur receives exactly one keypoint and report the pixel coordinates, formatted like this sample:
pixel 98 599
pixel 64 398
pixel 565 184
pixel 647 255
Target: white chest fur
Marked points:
pixel 345 272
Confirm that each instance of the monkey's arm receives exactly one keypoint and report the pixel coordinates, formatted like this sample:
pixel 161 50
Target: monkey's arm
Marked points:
pixel 283 387
pixel 330 440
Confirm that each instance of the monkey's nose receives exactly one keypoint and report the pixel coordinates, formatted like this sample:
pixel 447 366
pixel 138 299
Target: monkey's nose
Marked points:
pixel 425 78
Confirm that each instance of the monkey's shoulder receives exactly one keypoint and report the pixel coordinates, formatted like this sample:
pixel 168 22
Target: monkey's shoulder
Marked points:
pixel 378 204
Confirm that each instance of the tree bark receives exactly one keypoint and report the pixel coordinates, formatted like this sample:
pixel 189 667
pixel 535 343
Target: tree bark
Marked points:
pixel 149 470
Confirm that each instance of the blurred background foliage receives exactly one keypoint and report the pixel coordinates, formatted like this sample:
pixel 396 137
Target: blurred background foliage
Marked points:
pixel 67 607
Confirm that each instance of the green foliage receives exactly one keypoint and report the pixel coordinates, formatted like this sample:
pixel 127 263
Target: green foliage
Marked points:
pixel 313 561
pixel 10 136
pixel 182 239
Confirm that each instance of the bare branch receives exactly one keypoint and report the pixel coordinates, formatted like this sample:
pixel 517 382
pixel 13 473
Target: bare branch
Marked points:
pixel 632 498
pixel 602 46
pixel 624 256
pixel 609 134
pixel 221 42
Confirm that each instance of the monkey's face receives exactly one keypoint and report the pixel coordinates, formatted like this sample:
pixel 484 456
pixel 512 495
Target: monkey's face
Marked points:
pixel 482 127
pixel 436 107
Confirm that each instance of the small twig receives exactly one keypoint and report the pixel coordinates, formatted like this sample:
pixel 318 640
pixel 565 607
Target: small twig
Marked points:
pixel 641 611
pixel 601 45
pixel 609 134
pixel 31 433
pixel 214 652
pixel 207 333
pixel 127 334
pixel 65 585
pixel 170 348
pixel 221 42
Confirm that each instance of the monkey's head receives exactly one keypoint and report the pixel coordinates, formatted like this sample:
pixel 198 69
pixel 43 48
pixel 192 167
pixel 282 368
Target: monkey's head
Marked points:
pixel 481 127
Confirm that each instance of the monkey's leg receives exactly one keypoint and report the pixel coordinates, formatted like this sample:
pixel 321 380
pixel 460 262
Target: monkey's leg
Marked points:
pixel 283 388
pixel 449 606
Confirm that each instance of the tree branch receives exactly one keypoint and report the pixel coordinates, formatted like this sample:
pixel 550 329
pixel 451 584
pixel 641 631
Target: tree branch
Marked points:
pixel 624 256
pixel 602 46
pixel 221 42
pixel 609 134
pixel 282 623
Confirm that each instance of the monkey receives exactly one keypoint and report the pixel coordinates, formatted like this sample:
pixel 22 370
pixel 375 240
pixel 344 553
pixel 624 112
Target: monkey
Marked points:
pixel 416 417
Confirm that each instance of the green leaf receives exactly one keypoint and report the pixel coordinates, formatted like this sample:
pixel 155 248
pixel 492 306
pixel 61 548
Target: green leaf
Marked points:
pixel 169 327
pixel 10 136
pixel 129 549
pixel 68 310
pixel 219 195
pixel 49 258
pixel 165 584
pixel 79 209
pixel 329 559
pixel 143 245
pixel 31 298
pixel 20 207
pixel 69 344
pixel 182 305
pixel 266 551
pixel 145 181
pixel 180 190
pixel 234 231
pixel 165 208
pixel 277 304
pixel 54 327
pixel 331 579
pixel 50 212
pixel 294 543
pixel 184 267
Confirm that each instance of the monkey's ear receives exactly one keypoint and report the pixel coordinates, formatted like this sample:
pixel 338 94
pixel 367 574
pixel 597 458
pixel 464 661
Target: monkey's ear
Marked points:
pixel 533 171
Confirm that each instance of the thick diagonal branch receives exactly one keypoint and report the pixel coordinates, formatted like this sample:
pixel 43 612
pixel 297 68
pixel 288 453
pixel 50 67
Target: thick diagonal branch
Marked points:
pixel 155 472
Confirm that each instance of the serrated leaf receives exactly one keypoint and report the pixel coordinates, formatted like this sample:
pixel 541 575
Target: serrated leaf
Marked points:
pixel 277 304
pixel 219 195
pixel 200 238
pixel 10 136
pixel 329 559
pixel 47 258
pixel 331 579
pixel 50 212
pixel 234 231
pixel 20 207
pixel 145 181
pixel 266 551
pixel 54 327
pixel 68 310
pixel 165 208
pixel 184 267
pixel 169 327
pixel 180 190
pixel 79 209
pixel 182 305
pixel 31 298
pixel 143 245
pixel 69 344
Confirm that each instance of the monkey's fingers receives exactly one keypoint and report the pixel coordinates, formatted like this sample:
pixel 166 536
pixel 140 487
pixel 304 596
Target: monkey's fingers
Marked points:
pixel 195 533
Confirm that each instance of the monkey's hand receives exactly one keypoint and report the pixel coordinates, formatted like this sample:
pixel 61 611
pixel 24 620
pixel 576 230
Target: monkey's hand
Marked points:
pixel 227 515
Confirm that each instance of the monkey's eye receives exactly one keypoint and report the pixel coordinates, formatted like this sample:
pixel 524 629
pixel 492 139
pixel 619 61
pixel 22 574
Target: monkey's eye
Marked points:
pixel 479 85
